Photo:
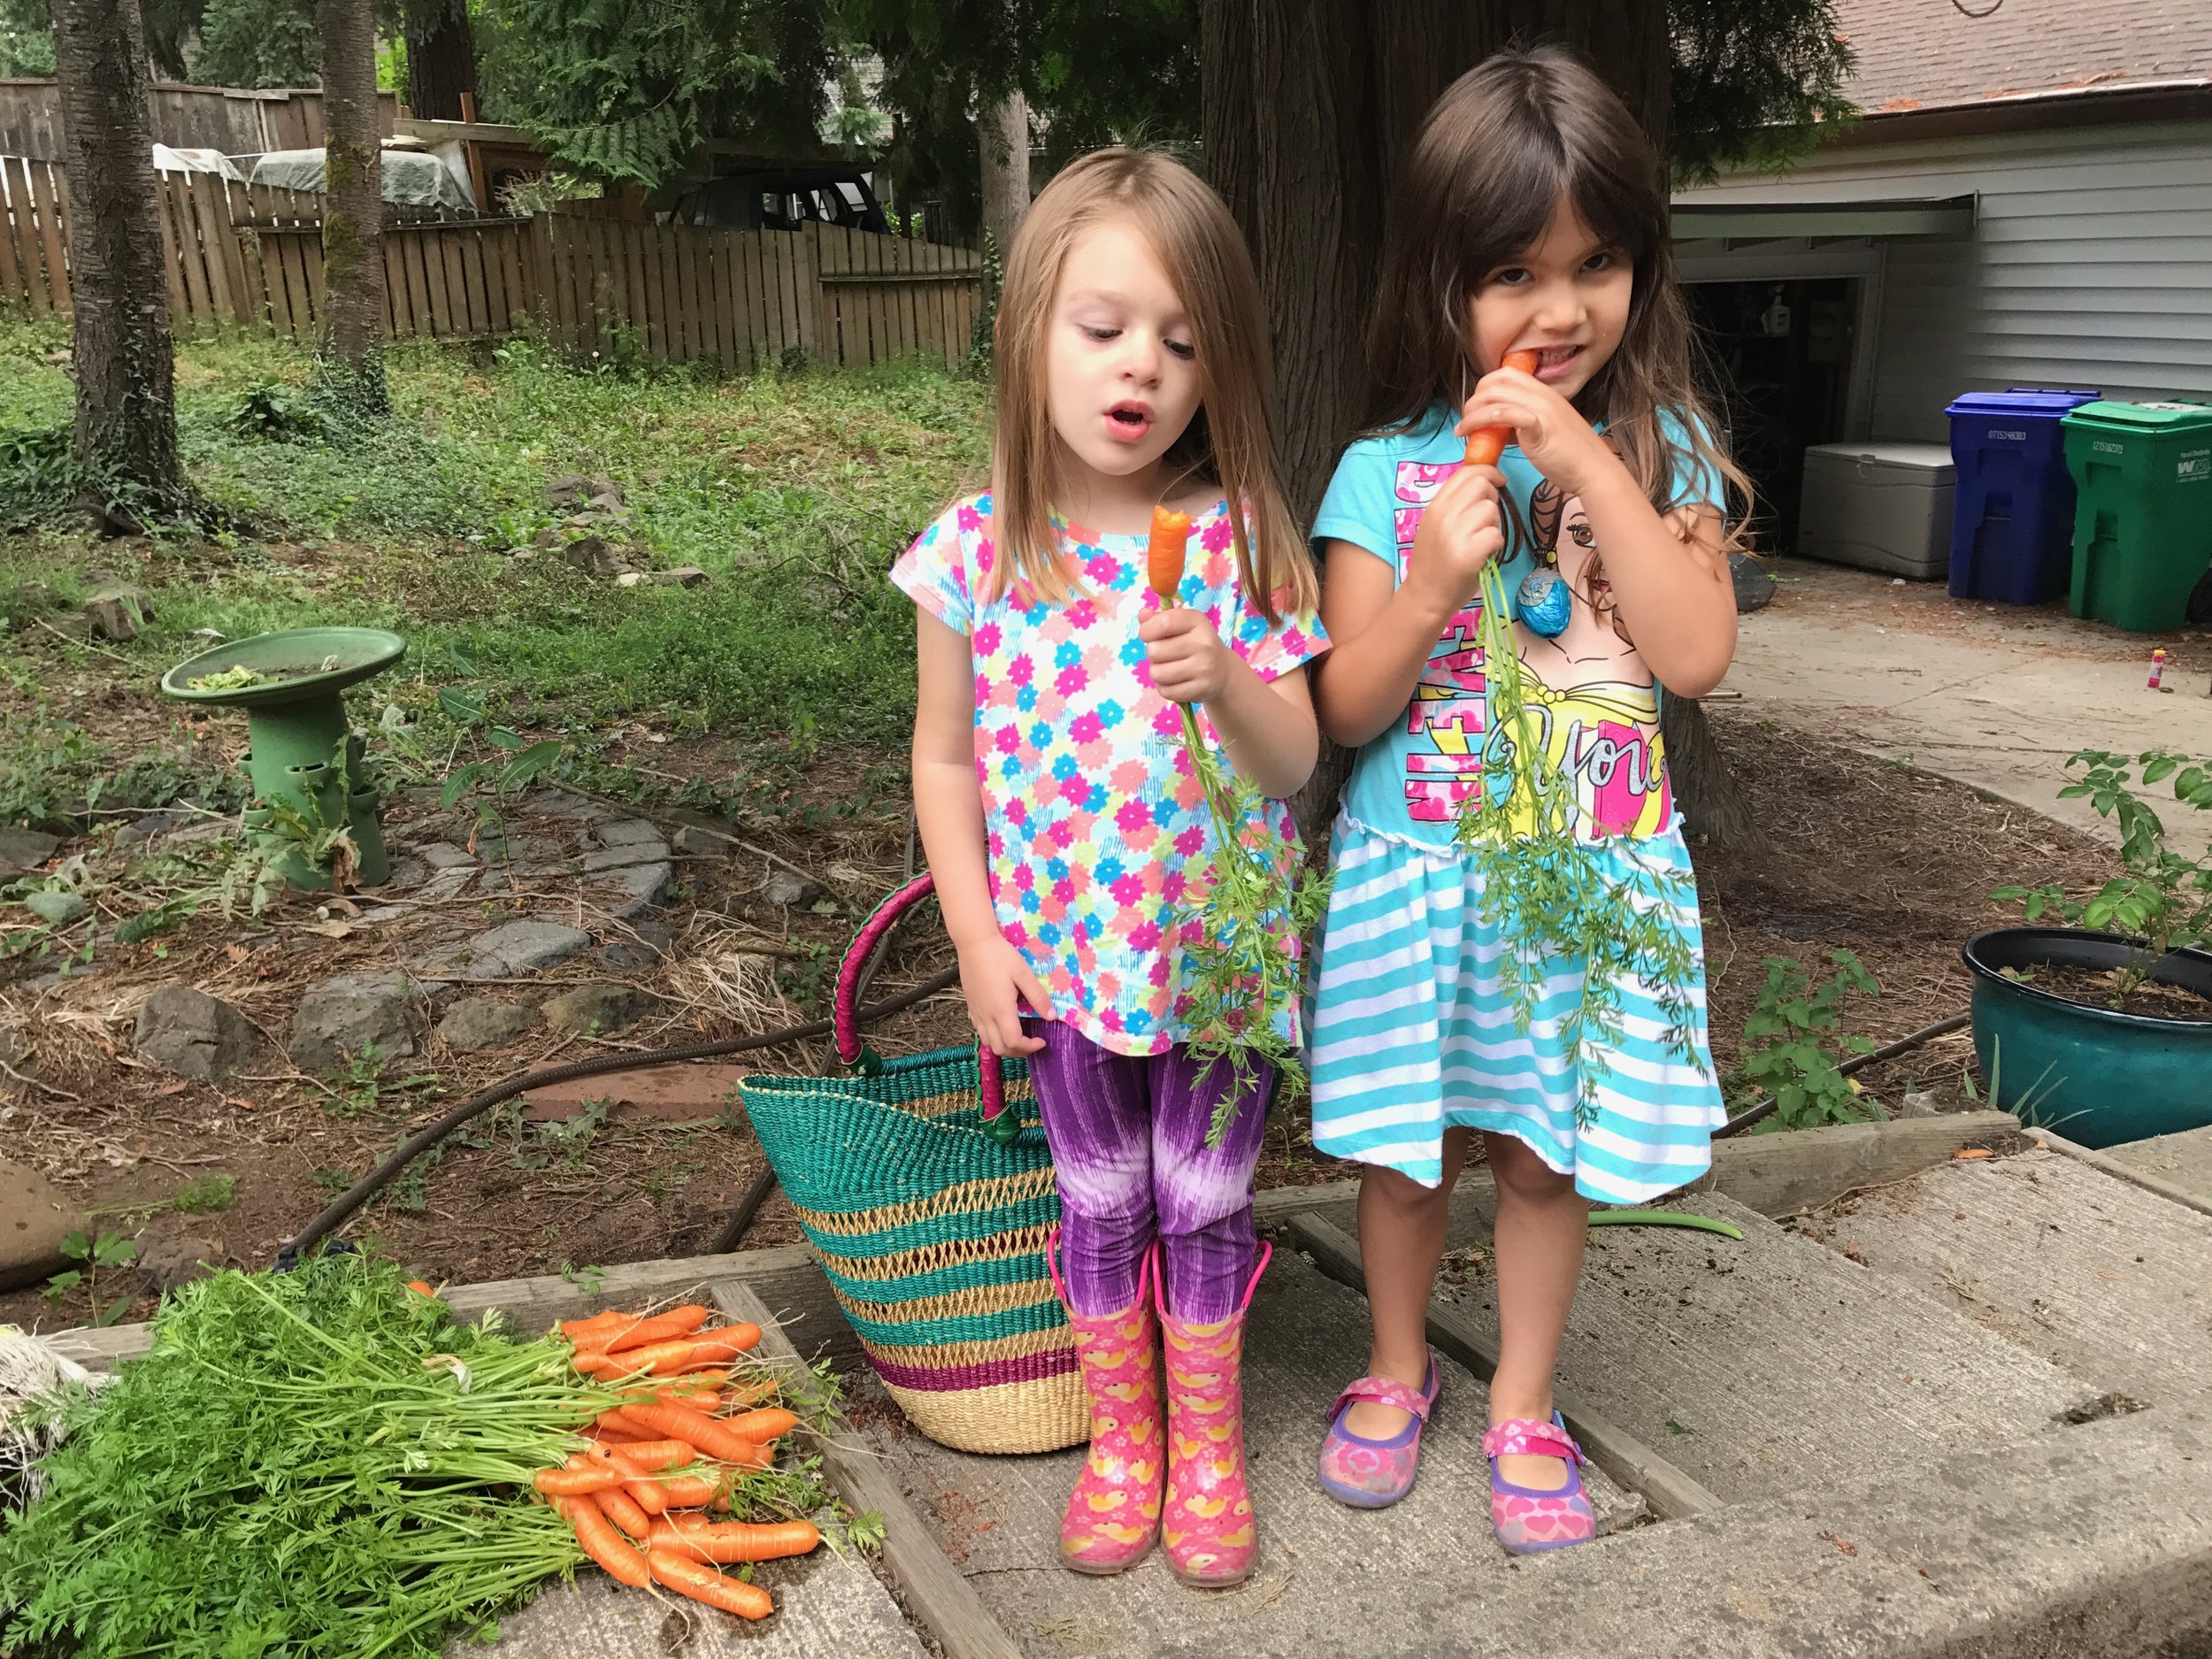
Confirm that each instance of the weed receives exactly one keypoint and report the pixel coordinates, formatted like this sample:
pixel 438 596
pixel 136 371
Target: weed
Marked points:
pixel 206 1196
pixel 1791 1049
pixel 108 1251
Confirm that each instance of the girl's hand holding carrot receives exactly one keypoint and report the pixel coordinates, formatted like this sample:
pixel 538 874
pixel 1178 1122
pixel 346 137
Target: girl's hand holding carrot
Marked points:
pixel 1188 660
pixel 1559 442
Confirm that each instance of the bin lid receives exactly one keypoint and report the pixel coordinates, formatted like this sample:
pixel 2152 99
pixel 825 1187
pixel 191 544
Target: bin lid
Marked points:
pixel 1928 463
pixel 2148 419
pixel 2021 400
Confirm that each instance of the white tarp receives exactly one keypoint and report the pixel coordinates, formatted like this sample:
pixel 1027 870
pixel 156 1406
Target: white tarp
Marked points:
pixel 168 160
pixel 412 177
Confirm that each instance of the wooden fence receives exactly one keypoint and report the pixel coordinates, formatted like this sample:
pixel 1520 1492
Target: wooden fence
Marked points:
pixel 252 258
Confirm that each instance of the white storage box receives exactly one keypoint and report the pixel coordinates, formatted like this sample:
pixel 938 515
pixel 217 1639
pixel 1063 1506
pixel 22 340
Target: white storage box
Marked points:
pixel 1881 506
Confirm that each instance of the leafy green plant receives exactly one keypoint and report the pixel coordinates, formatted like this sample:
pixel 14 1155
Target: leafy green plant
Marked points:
pixel 1792 1047
pixel 1550 896
pixel 206 1196
pixel 279 411
pixel 109 1251
pixel 38 473
pixel 2161 895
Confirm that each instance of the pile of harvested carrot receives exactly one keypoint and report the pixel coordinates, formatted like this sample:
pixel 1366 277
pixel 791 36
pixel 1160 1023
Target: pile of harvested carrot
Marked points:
pixel 684 1431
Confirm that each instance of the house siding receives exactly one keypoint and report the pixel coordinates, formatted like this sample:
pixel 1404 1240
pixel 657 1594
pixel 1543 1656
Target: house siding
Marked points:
pixel 2091 264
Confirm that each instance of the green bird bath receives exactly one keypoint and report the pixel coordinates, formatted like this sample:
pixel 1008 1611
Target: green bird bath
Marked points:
pixel 303 755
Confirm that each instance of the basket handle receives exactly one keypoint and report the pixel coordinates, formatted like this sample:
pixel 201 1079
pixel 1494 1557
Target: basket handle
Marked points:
pixel 853 1049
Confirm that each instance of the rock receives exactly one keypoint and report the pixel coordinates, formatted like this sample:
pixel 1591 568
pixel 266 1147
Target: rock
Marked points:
pixel 1755 583
pixel 119 611
pixel 631 578
pixel 703 843
pixel 35 1219
pixel 564 493
pixel 631 832
pixel 548 537
pixel 1916 1104
pixel 443 856
pixel 165 1264
pixel 601 1008
pixel 513 949
pixel 26 603
pixel 23 851
pixel 591 555
pixel 56 906
pixel 72 627
pixel 15 1043
pixel 681 576
pixel 140 831
pixel 192 1033
pixel 648 945
pixel 484 1022
pixel 785 889
pixel 349 1014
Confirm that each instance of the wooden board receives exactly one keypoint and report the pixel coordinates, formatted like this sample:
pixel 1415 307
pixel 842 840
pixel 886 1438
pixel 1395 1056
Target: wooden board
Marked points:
pixel 940 1598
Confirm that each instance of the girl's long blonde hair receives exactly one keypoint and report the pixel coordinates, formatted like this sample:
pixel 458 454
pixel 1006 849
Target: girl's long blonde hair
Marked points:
pixel 1230 441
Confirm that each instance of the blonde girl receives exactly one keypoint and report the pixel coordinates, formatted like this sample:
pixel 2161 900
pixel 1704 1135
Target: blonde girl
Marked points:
pixel 1062 822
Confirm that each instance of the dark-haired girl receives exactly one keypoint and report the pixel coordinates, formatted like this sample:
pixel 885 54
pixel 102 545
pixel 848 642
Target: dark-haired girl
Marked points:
pixel 1531 217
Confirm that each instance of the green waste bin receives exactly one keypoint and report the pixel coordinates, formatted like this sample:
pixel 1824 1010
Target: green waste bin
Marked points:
pixel 2143 511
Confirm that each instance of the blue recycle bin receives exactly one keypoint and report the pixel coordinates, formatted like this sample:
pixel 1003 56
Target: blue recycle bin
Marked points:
pixel 2012 523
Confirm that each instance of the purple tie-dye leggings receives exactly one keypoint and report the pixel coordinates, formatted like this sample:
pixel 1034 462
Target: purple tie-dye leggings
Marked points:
pixel 1128 1137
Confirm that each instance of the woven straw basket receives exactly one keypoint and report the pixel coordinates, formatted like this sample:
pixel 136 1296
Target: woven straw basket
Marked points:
pixel 925 1191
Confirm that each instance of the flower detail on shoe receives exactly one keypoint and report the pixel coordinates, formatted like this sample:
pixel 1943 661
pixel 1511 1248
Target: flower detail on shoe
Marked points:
pixel 1529 1521
pixel 1369 1474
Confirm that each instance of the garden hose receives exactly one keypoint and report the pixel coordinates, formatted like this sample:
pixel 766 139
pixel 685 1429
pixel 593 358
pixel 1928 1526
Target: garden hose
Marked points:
pixel 1663 1219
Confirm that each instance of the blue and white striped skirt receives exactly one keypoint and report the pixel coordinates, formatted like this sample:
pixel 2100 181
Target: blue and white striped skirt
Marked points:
pixel 1413 1030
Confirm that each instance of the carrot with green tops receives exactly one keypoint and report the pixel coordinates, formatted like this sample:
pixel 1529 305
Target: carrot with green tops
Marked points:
pixel 660 1328
pixel 622 1510
pixel 1164 551
pixel 573 1329
pixel 733 1542
pixel 717 1439
pixel 623 1561
pixel 649 1457
pixel 762 1427
pixel 1486 445
pixel 674 1492
pixel 665 1359
pixel 577 1483
pixel 704 1584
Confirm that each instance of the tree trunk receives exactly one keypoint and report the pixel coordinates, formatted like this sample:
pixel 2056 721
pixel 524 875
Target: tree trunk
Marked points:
pixel 1307 105
pixel 127 422
pixel 1003 134
pixel 441 59
pixel 353 209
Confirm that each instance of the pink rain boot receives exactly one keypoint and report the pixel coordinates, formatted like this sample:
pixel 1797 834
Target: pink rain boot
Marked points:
pixel 1211 1531
pixel 1114 1513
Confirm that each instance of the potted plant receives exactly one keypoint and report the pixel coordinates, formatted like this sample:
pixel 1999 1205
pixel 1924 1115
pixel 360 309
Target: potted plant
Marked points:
pixel 2102 1029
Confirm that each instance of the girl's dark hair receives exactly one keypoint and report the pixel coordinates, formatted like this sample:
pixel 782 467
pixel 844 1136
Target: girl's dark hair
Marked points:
pixel 1508 142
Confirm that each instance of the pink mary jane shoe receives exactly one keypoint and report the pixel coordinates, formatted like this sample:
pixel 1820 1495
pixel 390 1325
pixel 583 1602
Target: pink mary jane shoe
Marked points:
pixel 1530 1521
pixel 1375 1474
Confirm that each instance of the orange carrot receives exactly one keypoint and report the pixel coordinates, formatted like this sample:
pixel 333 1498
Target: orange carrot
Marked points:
pixel 664 1359
pixel 733 1541
pixel 575 1483
pixel 662 1326
pixel 704 1584
pixel 717 1440
pixel 762 1427
pixel 421 1288
pixel 573 1329
pixel 646 1456
pixel 1486 445
pixel 620 1508
pixel 676 1492
pixel 1163 552
pixel 603 1544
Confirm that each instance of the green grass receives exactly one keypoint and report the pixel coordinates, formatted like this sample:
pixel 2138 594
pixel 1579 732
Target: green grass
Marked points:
pixel 793 490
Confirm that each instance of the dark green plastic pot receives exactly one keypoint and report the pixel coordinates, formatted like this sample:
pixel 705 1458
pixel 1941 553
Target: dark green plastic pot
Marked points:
pixel 2096 1077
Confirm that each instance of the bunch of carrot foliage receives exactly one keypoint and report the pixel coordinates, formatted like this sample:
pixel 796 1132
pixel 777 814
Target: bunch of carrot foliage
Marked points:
pixel 320 1462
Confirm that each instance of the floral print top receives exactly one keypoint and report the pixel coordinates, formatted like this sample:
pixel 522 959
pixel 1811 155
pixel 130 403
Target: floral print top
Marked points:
pixel 1096 826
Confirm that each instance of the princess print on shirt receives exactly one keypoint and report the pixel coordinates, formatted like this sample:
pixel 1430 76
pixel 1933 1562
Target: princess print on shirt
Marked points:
pixel 1594 701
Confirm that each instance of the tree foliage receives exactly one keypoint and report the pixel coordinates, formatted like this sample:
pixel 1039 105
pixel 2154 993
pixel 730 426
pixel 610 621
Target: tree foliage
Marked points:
pixel 627 88
pixel 257 44
pixel 1755 83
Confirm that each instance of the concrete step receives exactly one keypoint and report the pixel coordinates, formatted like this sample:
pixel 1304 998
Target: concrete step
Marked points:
pixel 2182 1160
pixel 2092 1543
pixel 2108 1281
pixel 1772 1365
pixel 1329 1579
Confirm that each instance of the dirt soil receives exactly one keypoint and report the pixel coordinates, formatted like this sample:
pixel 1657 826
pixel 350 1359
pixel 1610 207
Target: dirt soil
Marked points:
pixel 1894 865
pixel 2093 987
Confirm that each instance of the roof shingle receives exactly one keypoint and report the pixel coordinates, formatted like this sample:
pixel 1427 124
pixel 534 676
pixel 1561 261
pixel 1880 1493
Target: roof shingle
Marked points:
pixel 1917 54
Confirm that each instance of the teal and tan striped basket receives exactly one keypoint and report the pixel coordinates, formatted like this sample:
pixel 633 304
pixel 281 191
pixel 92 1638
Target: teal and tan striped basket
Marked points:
pixel 925 1191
